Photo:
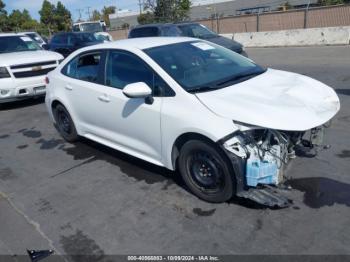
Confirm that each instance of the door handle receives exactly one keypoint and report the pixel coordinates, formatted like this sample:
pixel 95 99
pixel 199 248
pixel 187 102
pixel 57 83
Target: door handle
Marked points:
pixel 68 87
pixel 104 98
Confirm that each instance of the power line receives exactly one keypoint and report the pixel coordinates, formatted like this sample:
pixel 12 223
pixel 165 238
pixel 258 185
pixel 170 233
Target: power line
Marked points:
pixel 79 10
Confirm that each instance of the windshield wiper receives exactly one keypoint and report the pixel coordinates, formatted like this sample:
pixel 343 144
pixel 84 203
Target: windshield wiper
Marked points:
pixel 240 77
pixel 200 89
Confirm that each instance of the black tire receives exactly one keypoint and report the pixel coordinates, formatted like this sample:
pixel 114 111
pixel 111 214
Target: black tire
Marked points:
pixel 206 171
pixel 65 124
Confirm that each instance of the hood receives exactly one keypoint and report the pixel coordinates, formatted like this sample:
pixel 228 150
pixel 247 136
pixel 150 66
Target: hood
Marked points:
pixel 27 57
pixel 275 99
pixel 225 42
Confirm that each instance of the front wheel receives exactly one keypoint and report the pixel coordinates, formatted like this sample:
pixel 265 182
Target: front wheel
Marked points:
pixel 206 171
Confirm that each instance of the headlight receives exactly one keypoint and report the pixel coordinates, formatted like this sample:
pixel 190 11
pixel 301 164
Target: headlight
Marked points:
pixel 4 73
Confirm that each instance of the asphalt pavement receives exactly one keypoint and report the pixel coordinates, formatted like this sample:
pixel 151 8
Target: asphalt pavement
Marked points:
pixel 85 198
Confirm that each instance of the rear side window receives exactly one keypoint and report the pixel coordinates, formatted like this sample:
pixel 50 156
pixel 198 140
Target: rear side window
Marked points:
pixel 59 39
pixel 144 32
pixel 85 67
pixel 170 31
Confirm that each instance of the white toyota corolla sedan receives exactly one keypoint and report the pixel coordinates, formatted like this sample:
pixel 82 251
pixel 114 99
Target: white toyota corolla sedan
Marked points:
pixel 227 124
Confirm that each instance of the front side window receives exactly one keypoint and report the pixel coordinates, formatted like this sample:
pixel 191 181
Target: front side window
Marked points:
pixel 124 68
pixel 200 66
pixel 76 28
pixel 10 44
pixel 85 67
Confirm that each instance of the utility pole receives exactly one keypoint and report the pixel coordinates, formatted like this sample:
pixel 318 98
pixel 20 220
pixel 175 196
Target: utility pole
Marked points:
pixel 140 5
pixel 88 11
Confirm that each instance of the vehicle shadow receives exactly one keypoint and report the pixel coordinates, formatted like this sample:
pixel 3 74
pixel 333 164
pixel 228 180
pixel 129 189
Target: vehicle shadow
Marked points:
pixel 345 92
pixel 22 103
pixel 322 191
pixel 133 167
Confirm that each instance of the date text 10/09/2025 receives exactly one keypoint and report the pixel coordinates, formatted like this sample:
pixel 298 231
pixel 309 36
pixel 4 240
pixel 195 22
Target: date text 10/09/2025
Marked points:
pixel 173 258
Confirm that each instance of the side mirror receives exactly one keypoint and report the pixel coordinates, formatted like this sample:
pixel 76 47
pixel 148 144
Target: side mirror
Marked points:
pixel 137 90
pixel 45 46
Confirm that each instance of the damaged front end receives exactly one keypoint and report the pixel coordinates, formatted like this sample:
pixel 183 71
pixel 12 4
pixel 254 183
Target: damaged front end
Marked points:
pixel 259 157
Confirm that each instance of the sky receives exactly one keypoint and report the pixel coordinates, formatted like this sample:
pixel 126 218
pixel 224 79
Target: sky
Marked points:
pixel 33 6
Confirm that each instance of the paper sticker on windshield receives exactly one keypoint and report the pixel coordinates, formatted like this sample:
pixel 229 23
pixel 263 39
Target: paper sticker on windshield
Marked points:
pixel 26 39
pixel 203 46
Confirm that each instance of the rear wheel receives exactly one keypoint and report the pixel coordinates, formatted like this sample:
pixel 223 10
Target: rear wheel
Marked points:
pixel 206 171
pixel 65 124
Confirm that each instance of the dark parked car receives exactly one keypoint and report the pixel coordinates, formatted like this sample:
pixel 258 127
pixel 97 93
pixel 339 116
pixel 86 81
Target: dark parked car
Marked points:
pixel 67 43
pixel 190 29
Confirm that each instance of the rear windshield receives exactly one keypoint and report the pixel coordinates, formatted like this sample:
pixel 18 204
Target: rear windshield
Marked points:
pixel 10 44
pixel 143 32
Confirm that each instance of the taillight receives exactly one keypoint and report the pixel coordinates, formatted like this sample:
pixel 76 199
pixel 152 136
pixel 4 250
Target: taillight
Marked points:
pixel 47 80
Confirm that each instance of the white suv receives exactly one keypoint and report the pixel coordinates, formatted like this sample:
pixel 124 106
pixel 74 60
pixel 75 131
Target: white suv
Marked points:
pixel 226 123
pixel 23 66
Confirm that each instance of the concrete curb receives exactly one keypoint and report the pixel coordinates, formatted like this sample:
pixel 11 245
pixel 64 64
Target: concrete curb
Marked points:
pixel 297 37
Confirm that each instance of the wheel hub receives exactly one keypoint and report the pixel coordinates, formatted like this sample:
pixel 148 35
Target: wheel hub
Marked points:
pixel 205 171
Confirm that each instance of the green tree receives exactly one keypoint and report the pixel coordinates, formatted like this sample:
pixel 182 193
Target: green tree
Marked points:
pixel 63 18
pixel 3 17
pixel 106 11
pixel 47 15
pixel 146 18
pixel 166 10
pixel 21 20
pixel 96 15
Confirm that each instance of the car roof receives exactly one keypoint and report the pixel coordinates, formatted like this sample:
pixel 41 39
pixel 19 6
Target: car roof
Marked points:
pixel 11 34
pixel 165 24
pixel 73 33
pixel 153 25
pixel 143 42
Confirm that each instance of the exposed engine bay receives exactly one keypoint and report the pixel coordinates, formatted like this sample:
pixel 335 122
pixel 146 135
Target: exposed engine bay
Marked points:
pixel 266 153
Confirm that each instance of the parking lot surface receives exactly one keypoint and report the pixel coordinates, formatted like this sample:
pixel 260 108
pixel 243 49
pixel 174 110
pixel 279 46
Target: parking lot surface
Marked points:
pixel 85 198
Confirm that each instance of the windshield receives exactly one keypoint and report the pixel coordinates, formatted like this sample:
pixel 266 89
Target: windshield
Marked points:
pixel 91 27
pixel 196 30
pixel 9 44
pixel 200 66
pixel 35 37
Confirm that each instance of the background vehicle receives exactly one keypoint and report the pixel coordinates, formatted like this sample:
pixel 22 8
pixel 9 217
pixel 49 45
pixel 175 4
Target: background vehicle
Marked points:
pixel 192 105
pixel 66 43
pixel 36 37
pixel 97 27
pixel 194 30
pixel 23 66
